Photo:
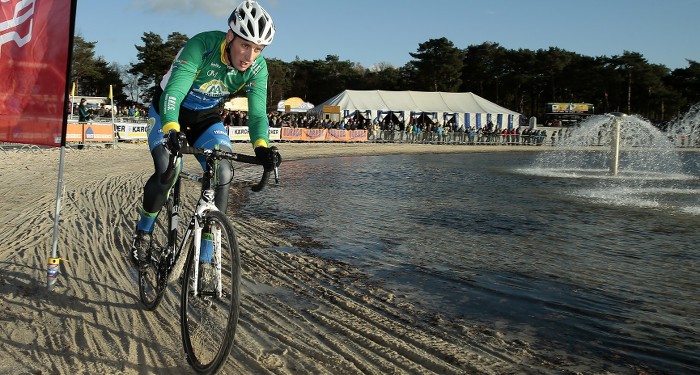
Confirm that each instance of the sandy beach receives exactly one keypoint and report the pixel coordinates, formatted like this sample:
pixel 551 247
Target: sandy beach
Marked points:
pixel 300 314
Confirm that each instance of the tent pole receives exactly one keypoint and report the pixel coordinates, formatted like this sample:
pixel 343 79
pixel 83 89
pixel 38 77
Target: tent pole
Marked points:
pixel 54 246
pixel 53 263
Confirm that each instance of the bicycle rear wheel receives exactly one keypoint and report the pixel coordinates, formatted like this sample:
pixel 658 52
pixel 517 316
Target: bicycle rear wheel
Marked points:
pixel 152 281
pixel 208 322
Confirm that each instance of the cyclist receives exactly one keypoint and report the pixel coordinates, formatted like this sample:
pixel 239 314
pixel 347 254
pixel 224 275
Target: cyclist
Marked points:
pixel 209 67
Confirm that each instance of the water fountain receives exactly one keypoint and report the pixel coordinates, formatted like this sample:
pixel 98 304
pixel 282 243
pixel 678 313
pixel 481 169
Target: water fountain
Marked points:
pixel 625 160
pixel 685 130
pixel 614 144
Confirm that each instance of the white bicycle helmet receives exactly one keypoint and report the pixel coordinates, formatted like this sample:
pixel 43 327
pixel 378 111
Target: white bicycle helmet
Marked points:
pixel 252 23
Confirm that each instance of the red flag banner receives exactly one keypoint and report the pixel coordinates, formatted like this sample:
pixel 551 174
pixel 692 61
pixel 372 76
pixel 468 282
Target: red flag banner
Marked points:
pixel 34 51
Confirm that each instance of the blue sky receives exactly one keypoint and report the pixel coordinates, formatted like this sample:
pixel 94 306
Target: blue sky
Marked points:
pixel 385 31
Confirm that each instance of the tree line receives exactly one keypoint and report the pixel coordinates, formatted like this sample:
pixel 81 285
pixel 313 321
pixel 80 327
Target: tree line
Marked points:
pixel 522 80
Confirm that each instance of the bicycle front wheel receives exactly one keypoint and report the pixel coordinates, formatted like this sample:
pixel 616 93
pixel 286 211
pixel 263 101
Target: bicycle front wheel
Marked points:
pixel 208 320
pixel 152 281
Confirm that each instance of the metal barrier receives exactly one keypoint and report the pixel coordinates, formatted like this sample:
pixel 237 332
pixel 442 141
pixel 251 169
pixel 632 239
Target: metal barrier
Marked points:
pixel 19 147
pixel 475 138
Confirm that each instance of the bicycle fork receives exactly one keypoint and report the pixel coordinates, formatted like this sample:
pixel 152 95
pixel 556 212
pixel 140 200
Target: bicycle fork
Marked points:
pixel 205 205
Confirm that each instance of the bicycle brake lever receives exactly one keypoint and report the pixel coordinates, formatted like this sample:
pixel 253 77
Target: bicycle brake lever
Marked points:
pixel 277 162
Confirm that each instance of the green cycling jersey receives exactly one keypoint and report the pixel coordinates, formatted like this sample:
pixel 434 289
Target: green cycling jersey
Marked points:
pixel 199 79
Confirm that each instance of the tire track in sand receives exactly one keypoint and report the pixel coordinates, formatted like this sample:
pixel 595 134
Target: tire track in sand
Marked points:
pixel 324 315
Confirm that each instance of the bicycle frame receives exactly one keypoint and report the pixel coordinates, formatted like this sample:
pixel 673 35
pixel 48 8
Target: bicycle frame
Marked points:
pixel 175 258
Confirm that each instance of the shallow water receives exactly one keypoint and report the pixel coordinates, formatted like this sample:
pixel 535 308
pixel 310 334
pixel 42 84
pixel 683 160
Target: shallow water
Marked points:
pixel 583 263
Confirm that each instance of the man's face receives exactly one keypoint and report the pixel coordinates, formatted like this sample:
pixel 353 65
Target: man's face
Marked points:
pixel 242 52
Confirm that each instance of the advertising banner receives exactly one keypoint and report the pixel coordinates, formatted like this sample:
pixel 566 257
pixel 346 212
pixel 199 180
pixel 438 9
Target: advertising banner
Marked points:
pixel 34 46
pixel 323 135
pixel 314 134
pixel 570 107
pixel 89 133
pixel 357 135
pixel 275 134
pixel 337 135
pixel 74 133
pixel 240 133
pixel 127 131
pixel 292 134
pixel 98 132
pixel 131 131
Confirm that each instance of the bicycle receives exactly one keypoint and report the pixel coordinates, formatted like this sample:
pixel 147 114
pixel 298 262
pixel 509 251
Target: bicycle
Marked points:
pixel 208 318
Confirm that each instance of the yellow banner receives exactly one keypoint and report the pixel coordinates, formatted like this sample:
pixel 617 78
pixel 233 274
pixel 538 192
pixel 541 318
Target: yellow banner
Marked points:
pixel 569 107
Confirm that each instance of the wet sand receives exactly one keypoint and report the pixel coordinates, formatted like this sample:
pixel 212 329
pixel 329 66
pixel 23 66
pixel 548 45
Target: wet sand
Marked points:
pixel 301 314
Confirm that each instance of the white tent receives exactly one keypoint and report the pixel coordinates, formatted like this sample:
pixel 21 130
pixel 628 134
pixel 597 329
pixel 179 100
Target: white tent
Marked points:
pixel 465 108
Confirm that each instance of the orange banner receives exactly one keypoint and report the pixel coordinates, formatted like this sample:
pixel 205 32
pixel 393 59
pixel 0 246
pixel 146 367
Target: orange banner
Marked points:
pixel 314 134
pixel 322 135
pixel 357 135
pixel 292 134
pixel 337 135
pixel 98 133
pixel 74 133
pixel 89 133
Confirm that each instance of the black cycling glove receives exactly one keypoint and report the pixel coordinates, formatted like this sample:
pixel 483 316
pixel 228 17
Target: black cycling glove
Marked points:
pixel 171 141
pixel 268 157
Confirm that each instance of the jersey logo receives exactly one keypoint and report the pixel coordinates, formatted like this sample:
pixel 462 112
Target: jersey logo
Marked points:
pixel 255 68
pixel 150 123
pixel 170 103
pixel 214 88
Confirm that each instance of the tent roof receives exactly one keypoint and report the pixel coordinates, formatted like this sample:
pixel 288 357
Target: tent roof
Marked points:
pixel 296 104
pixel 416 101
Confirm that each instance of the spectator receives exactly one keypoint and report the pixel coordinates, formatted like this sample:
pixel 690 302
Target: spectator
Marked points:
pixel 83 113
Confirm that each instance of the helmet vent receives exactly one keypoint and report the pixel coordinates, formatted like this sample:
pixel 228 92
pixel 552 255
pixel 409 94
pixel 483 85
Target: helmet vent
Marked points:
pixel 250 29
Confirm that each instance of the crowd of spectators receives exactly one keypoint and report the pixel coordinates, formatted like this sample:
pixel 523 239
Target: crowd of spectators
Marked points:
pixel 103 112
pixel 421 130
pixel 452 134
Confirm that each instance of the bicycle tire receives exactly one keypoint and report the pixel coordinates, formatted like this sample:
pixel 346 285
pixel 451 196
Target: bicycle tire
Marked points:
pixel 152 281
pixel 208 324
